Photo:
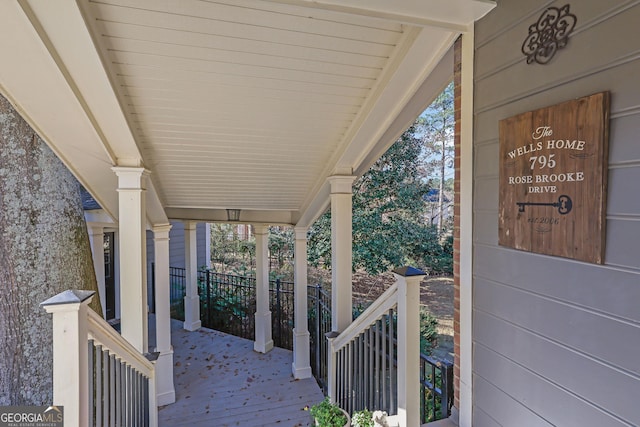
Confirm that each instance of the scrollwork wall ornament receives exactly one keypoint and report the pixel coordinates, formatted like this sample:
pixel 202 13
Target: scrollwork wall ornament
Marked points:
pixel 549 34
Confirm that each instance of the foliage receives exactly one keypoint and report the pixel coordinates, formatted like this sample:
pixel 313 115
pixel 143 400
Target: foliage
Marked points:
pixel 389 209
pixel 228 247
pixel 362 418
pixel 328 414
pixel 281 246
pixel 428 331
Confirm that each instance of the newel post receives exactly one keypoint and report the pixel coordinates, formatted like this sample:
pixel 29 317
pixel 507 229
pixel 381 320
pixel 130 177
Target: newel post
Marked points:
pixel 332 366
pixel 409 279
pixel 70 354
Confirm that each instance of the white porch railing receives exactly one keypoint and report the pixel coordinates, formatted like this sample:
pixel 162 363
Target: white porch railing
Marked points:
pixel 98 377
pixel 375 362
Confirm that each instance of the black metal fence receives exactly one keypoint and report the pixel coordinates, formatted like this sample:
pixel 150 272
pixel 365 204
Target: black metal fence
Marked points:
pixel 319 306
pixel 177 286
pixel 436 388
pixel 228 304
pixel 367 372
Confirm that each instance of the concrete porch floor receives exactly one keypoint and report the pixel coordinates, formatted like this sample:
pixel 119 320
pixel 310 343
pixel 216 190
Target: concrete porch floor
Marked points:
pixel 220 381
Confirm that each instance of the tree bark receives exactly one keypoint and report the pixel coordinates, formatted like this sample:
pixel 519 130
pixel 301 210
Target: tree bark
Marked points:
pixel 44 250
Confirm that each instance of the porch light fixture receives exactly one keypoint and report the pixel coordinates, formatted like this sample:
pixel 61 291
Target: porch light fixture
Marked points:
pixel 233 215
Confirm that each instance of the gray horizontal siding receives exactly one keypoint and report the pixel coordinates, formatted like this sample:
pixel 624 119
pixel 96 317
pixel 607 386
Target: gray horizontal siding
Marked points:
pixel 556 341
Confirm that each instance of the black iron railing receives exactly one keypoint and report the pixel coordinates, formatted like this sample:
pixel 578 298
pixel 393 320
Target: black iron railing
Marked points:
pixel 177 286
pixel 367 368
pixel 436 388
pixel 228 304
pixel 319 306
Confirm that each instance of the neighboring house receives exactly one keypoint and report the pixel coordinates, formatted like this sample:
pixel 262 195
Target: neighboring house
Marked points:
pixel 433 205
pixel 109 277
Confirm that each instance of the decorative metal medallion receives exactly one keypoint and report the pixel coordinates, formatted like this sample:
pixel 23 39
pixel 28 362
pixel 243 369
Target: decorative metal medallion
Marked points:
pixel 549 34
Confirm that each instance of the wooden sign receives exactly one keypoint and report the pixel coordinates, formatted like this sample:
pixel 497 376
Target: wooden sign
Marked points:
pixel 553 179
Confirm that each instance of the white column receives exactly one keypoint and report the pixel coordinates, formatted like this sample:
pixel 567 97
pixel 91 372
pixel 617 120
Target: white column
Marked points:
pixel 133 255
pixel 165 390
pixel 301 367
pixel 70 354
pixel 341 251
pixel 263 342
pixel 191 299
pixel 207 245
pixel 96 238
pixel 409 346
pixel 466 231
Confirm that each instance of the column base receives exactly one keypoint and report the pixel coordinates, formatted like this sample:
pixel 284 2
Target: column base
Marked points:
pixel 301 373
pixel 263 347
pixel 301 367
pixel 192 326
pixel 192 313
pixel 455 415
pixel 165 390
pixel 263 341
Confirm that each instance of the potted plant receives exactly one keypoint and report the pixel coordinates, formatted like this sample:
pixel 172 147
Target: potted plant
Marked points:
pixel 362 418
pixel 327 414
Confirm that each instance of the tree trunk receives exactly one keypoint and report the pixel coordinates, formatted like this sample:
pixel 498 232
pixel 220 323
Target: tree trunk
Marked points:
pixel 441 189
pixel 44 250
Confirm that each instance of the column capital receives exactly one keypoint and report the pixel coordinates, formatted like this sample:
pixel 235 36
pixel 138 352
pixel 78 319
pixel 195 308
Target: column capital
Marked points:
pixel 95 229
pixel 190 225
pixel 301 232
pixel 341 184
pixel 130 178
pixel 161 231
pixel 261 229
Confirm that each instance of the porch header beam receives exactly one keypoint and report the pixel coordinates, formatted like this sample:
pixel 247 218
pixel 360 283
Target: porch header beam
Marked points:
pixel 447 14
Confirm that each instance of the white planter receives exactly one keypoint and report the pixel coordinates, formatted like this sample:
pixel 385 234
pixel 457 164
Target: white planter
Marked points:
pixel 348 424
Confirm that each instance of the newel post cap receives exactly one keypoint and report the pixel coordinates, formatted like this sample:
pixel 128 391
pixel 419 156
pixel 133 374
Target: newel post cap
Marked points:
pixel 70 296
pixel 408 271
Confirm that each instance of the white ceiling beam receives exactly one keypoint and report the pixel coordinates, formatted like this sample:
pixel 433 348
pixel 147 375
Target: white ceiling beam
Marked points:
pixel 247 216
pixel 454 15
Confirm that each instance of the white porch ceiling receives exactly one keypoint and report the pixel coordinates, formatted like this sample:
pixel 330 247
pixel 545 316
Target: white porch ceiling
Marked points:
pixel 244 104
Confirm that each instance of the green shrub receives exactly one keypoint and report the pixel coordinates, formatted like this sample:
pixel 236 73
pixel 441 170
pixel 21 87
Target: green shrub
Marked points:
pixel 328 414
pixel 428 331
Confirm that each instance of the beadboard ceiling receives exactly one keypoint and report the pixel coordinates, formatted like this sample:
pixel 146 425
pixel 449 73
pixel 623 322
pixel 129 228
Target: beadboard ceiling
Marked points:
pixel 242 104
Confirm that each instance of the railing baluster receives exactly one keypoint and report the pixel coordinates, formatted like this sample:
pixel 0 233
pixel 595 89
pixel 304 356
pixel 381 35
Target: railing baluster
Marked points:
pixel 319 335
pixel 146 400
pixel 433 395
pixel 392 357
pixel 371 394
pixel 119 420
pixel 112 390
pixel 139 394
pixel 91 365
pixel 105 387
pixel 384 355
pixel 130 397
pixel 359 394
pixel 376 367
pixel 98 386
